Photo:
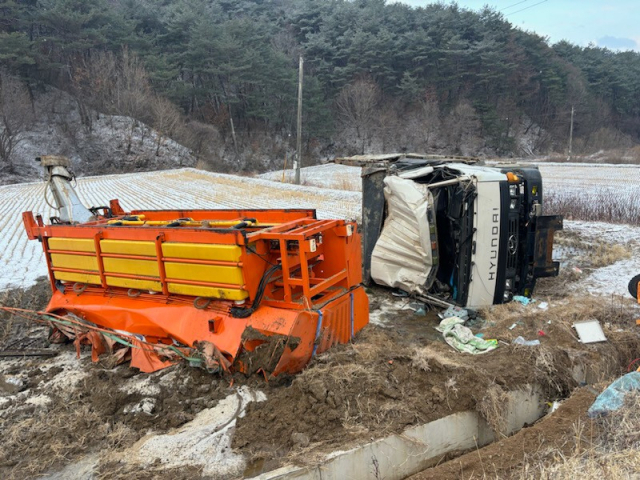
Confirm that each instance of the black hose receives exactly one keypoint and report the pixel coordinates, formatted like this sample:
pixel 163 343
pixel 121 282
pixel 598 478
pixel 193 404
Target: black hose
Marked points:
pixel 244 312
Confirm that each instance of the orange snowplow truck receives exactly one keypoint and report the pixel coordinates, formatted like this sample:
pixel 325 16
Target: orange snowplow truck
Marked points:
pixel 239 290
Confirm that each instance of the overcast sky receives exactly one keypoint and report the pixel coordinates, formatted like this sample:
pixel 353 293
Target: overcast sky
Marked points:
pixel 614 24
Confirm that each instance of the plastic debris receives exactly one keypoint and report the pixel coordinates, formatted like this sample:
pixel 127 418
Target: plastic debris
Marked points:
pixel 418 308
pixel 590 331
pixel 553 406
pixel 543 305
pixel 522 300
pixel 513 326
pixel 614 395
pixel 528 343
pixel 454 311
pixel 462 338
pixel 541 333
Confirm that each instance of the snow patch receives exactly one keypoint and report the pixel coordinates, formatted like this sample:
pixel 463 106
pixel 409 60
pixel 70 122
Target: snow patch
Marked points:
pixel 39 400
pixel 143 386
pixel 205 441
pixel 146 405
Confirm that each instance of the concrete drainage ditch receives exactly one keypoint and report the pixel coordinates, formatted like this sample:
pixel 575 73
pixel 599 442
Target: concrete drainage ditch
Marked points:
pixel 399 456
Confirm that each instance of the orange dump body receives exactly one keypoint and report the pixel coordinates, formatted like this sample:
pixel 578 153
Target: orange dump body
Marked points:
pixel 245 289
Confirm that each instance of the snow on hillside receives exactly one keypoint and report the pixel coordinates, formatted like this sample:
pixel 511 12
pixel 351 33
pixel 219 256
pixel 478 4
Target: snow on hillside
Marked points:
pixel 110 144
pixel 21 261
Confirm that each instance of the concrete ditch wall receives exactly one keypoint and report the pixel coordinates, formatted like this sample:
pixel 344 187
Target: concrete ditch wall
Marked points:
pixel 417 448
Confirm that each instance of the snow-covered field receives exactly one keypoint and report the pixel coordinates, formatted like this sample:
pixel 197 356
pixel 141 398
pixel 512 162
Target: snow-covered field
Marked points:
pixel 558 177
pixel 331 189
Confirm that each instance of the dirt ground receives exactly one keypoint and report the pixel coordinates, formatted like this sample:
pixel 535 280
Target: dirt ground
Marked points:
pixel 503 458
pixel 398 372
pixel 387 380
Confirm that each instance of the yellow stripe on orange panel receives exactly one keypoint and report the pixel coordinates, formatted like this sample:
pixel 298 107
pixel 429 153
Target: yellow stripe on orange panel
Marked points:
pixel 204 273
pixel 77 277
pixel 147 268
pixel 202 251
pixel 78 262
pixel 133 283
pixel 128 247
pixel 209 292
pixel 73 244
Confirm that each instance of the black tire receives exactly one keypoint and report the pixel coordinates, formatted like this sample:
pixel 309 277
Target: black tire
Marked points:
pixel 633 286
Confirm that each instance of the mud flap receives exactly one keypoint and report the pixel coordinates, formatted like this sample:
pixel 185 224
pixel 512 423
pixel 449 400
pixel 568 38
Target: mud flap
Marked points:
pixel 543 264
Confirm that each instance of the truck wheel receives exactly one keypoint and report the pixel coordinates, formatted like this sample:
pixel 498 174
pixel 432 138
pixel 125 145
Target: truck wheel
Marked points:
pixel 633 286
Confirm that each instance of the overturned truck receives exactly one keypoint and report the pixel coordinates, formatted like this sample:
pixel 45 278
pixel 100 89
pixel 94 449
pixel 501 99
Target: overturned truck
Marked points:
pixel 453 231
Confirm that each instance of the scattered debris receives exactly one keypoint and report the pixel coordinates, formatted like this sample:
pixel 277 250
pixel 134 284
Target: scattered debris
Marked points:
pixel 553 406
pixel 522 300
pixel 590 331
pixel 614 395
pixel 528 343
pixel 454 311
pixel 462 338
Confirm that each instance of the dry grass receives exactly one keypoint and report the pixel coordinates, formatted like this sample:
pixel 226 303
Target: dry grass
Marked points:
pixel 346 182
pixel 493 407
pixel 9 298
pixel 589 254
pixel 615 156
pixel 595 204
pixel 560 353
pixel 423 358
pixel 53 436
pixel 34 298
pixel 610 450
pixel 562 315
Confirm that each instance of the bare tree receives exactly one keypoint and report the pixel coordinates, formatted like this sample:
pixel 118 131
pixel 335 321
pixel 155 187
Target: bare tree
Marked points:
pixel 461 127
pixel 166 119
pixel 118 85
pixel 357 105
pixel 16 115
pixel 430 115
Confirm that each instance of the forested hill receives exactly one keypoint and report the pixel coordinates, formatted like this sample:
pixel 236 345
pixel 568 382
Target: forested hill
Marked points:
pixel 221 76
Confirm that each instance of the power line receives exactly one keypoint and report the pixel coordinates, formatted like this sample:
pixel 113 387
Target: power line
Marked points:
pixel 513 5
pixel 526 8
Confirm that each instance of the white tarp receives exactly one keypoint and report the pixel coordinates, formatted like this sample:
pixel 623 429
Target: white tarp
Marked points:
pixel 402 257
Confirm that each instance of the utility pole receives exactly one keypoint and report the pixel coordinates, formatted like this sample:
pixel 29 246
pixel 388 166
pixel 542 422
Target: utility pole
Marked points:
pixel 299 140
pixel 571 134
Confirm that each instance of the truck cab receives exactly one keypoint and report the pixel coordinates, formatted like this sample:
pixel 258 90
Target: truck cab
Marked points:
pixel 453 231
